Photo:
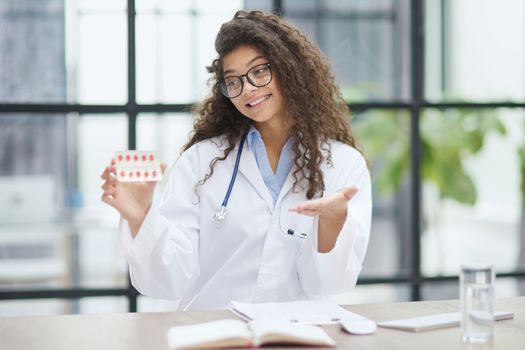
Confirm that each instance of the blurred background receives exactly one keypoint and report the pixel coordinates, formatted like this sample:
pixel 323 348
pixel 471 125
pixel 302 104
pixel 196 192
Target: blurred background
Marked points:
pixel 437 93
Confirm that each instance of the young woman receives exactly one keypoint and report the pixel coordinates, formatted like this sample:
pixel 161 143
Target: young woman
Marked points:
pixel 270 200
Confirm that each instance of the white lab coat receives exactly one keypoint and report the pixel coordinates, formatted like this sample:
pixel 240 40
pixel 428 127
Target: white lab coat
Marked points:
pixel 180 253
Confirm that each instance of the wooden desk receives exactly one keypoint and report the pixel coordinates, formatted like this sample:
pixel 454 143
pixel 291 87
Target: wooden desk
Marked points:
pixel 147 331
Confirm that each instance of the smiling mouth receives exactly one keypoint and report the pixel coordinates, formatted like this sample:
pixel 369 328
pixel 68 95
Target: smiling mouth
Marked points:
pixel 258 101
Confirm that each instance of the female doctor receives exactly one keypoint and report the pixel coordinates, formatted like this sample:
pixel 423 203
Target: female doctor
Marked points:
pixel 270 200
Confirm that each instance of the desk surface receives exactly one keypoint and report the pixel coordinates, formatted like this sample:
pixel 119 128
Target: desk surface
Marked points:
pixel 148 330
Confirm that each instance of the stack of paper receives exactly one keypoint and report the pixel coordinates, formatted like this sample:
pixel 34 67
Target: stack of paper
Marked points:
pixel 306 311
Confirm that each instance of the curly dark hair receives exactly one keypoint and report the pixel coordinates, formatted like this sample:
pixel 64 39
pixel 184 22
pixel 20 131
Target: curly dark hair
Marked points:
pixel 313 99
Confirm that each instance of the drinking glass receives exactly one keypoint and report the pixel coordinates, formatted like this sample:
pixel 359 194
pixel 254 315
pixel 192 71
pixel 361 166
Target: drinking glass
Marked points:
pixel 477 303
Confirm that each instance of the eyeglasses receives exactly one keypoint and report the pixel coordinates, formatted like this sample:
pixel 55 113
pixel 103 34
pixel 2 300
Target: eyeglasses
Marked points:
pixel 258 76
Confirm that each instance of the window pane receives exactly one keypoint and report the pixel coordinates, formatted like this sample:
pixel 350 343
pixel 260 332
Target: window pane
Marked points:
pixel 33 144
pixel 32 177
pixel 100 263
pixel 102 305
pixel 97 54
pixel 36 307
pixel 371 294
pixel 56 51
pixel 201 5
pixel 101 5
pixel 154 5
pixel 174 46
pixel 504 288
pixel 385 139
pixel 263 5
pixel 367 44
pixel 466 59
pixel 50 307
pixel 473 168
pixel 99 137
pixel 147 304
pixel 32 59
pixel 54 230
pixel 165 133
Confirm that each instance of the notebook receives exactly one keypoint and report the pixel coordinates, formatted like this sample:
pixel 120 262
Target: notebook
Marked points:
pixel 236 333
pixel 425 323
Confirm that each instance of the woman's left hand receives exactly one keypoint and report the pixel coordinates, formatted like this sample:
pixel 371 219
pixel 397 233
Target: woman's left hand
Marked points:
pixel 334 206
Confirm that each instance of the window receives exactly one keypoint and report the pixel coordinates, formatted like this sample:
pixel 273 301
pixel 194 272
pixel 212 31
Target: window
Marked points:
pixel 441 128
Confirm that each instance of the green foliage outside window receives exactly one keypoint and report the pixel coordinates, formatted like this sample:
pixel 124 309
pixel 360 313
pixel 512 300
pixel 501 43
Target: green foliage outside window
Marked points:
pixel 447 138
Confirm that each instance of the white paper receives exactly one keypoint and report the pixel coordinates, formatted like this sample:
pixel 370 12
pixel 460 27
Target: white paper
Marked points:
pixel 306 311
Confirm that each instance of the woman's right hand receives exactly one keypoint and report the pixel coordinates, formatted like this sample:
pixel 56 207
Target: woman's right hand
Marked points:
pixel 131 199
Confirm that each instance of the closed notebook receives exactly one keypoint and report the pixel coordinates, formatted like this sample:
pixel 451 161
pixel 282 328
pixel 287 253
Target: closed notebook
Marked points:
pixel 231 333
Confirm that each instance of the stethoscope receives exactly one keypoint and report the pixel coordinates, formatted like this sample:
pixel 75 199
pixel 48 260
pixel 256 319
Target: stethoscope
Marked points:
pixel 220 215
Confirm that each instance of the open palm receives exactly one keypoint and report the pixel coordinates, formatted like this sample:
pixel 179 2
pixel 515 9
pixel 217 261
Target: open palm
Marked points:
pixel 334 205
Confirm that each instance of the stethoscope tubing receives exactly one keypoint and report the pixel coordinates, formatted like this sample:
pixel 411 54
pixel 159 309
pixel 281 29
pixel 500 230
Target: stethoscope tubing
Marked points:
pixel 221 214
pixel 235 171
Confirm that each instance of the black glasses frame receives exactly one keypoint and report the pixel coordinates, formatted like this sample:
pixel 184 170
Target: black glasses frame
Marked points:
pixel 224 89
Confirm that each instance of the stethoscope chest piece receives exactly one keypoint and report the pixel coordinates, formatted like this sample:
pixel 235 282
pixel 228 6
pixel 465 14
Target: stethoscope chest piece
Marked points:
pixel 220 215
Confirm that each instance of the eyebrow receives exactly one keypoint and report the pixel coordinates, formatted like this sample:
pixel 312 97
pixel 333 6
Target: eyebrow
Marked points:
pixel 247 64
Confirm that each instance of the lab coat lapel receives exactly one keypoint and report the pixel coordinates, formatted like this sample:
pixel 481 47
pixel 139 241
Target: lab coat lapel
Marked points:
pixel 248 167
pixel 287 185
pixel 290 180
pixel 293 198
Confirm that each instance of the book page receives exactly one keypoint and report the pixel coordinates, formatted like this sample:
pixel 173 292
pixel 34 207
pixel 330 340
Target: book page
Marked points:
pixel 305 311
pixel 281 332
pixel 215 334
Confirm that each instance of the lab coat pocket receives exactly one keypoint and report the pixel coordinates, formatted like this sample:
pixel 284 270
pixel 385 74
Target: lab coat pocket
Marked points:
pixel 297 227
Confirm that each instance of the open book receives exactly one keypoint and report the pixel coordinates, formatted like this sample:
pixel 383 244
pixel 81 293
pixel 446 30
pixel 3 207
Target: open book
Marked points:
pixel 231 333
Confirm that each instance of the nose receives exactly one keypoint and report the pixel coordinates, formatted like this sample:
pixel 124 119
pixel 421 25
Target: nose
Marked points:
pixel 247 86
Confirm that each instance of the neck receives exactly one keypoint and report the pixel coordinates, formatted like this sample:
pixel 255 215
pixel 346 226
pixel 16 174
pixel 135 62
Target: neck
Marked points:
pixel 274 133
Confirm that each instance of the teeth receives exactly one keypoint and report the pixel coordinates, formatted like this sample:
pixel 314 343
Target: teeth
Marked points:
pixel 258 100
